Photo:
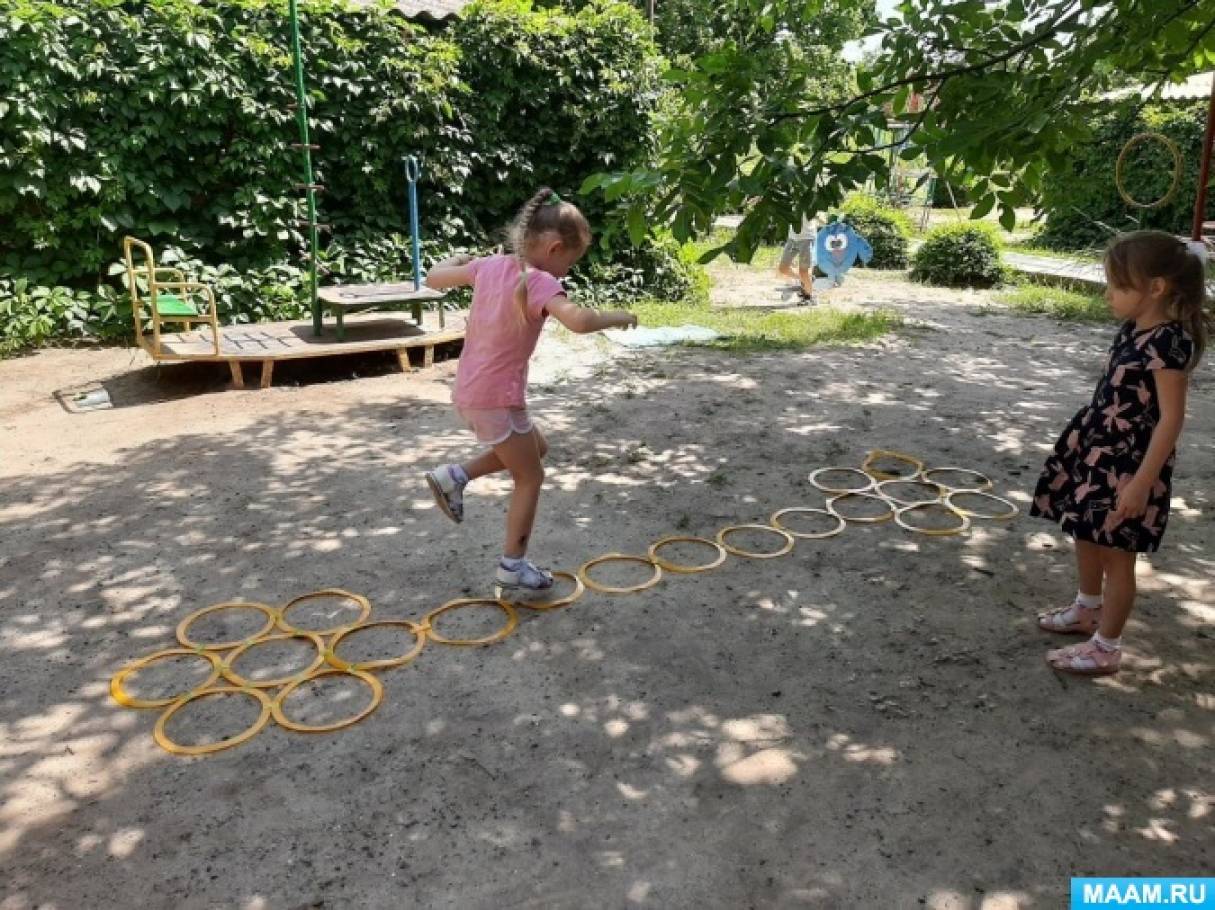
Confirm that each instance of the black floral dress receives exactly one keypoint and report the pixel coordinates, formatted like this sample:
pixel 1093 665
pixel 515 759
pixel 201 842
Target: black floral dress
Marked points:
pixel 1103 446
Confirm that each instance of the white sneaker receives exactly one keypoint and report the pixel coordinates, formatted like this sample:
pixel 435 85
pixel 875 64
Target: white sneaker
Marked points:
pixel 448 492
pixel 527 577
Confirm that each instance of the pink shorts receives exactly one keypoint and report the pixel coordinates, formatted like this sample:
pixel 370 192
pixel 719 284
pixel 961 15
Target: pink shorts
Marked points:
pixel 495 425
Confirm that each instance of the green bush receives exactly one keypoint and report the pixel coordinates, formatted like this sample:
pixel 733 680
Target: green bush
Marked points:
pixel 888 231
pixel 1082 206
pixel 172 120
pixel 960 255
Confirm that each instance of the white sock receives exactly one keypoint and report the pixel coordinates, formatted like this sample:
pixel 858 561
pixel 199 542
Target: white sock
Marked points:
pixel 1107 644
pixel 1088 601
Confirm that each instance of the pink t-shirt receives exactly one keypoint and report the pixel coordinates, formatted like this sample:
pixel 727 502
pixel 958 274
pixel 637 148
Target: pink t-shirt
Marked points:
pixel 498 341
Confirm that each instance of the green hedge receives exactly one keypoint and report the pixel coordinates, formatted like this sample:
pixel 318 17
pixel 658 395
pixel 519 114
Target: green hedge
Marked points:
pixel 172 120
pixel 888 231
pixel 1076 200
pixel 960 255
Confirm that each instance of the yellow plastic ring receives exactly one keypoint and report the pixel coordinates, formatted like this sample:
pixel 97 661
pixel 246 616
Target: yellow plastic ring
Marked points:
pixel 333 660
pixel 814 479
pixel 237 680
pixel 867 467
pixel 584 573
pixel 681 568
pixel 280 717
pixel 875 520
pixel 162 740
pixel 775 521
pixel 931 532
pixel 985 483
pixel 364 611
pixel 883 489
pixel 971 513
pixel 119 694
pixel 540 605
pixel 726 532
pixel 1174 184
pixel 512 620
pixel 183 627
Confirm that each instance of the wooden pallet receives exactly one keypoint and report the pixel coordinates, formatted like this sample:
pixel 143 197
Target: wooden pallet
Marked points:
pixel 269 342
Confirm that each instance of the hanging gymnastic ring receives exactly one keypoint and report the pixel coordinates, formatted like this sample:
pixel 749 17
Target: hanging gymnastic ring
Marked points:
pixel 1134 142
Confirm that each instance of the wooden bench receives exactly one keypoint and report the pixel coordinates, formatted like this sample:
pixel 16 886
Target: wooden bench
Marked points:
pixel 357 298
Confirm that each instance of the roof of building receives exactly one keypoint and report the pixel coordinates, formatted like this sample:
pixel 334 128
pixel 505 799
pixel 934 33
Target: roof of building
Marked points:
pixel 436 10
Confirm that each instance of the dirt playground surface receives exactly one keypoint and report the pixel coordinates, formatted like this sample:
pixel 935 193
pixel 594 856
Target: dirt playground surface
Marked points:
pixel 865 722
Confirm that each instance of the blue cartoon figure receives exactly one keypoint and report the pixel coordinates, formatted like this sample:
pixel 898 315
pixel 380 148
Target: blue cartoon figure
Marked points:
pixel 839 247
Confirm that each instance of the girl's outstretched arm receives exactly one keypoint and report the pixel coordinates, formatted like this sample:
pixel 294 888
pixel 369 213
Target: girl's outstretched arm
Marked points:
pixel 584 320
pixel 452 272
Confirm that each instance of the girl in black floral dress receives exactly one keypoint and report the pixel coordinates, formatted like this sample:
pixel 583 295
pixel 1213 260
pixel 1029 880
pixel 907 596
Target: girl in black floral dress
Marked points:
pixel 1109 479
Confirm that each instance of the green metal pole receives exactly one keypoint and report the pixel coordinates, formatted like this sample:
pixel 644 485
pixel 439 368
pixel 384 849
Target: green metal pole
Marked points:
pixel 301 116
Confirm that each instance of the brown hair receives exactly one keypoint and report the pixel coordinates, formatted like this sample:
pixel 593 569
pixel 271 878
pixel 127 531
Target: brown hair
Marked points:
pixel 1134 259
pixel 544 213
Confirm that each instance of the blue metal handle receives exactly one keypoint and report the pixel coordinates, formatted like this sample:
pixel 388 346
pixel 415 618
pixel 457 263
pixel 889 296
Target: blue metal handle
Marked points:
pixel 413 171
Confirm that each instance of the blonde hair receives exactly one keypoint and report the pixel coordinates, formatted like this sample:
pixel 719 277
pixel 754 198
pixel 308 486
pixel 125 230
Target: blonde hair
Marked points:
pixel 1134 259
pixel 545 212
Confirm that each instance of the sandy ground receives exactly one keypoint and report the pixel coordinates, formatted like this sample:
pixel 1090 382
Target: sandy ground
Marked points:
pixel 866 722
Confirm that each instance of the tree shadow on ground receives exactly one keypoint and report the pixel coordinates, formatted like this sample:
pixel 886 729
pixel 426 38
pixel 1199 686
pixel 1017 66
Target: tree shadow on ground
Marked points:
pixel 865 722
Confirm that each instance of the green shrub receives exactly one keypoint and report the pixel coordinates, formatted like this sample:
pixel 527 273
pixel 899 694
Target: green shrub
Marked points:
pixel 657 269
pixel 172 120
pixel 1082 206
pixel 887 230
pixel 960 255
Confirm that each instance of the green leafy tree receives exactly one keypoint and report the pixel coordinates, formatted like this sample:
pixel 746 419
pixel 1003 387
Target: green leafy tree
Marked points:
pixel 996 95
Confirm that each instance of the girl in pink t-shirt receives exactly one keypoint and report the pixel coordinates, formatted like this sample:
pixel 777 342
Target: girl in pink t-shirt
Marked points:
pixel 512 297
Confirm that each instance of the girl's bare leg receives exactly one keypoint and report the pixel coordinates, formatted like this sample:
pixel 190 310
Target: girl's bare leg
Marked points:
pixel 1119 591
pixel 489 463
pixel 521 456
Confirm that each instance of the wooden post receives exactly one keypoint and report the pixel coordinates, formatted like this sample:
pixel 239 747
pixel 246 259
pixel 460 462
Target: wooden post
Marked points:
pixel 238 379
pixel 267 373
pixel 403 360
pixel 1204 168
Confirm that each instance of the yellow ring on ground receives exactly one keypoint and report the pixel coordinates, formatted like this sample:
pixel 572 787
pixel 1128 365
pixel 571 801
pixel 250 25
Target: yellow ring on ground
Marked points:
pixel 541 605
pixel 363 602
pixel 584 574
pixel 931 532
pixel 237 680
pixel 681 568
pixel 862 520
pixel 776 523
pixel 897 456
pixel 1137 140
pixel 162 740
pixel 119 694
pixel 970 513
pixel 333 660
pixel 814 475
pixel 276 706
pixel 726 532
pixel 184 626
pixel 512 620
pixel 949 488
pixel 881 490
